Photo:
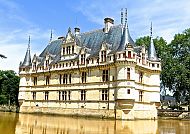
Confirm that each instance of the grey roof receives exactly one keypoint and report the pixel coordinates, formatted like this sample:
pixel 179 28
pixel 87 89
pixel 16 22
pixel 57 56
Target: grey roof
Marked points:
pixel 126 39
pixel 92 41
pixel 27 59
pixel 152 51
pixel 53 48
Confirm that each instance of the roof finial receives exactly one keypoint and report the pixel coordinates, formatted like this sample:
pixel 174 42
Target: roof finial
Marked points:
pixel 51 36
pixel 122 16
pixel 151 30
pixel 125 15
pixel 29 42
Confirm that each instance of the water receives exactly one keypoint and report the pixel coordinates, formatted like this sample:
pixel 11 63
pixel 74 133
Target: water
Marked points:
pixel 11 123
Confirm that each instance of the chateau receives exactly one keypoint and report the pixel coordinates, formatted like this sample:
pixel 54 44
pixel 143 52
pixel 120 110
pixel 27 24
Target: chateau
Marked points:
pixel 101 73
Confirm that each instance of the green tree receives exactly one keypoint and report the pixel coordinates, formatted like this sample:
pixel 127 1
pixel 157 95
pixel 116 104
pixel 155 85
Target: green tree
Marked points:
pixel 178 66
pixel 9 87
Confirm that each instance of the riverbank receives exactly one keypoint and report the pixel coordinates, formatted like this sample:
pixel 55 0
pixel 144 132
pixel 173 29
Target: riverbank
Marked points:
pixel 162 113
pixel 5 108
pixel 173 114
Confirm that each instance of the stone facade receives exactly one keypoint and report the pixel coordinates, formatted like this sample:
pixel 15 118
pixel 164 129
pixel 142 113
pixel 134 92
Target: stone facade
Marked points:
pixel 100 73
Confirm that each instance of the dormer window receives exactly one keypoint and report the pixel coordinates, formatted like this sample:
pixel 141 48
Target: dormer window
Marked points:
pixel 73 48
pixel 103 55
pixel 83 58
pixel 47 63
pixel 129 54
pixel 69 50
pixel 34 66
pixel 63 51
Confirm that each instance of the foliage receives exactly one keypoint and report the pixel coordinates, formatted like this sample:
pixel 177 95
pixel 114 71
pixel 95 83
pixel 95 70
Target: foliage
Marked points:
pixel 9 87
pixel 175 60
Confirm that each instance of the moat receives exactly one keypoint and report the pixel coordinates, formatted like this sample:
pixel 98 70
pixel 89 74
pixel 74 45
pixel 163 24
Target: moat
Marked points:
pixel 12 123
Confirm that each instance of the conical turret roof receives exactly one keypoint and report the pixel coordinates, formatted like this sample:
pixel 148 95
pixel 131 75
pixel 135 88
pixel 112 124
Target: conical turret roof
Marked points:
pixel 151 50
pixel 27 58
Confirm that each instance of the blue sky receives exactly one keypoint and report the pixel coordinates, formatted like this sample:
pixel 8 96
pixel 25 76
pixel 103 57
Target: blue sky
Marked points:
pixel 21 18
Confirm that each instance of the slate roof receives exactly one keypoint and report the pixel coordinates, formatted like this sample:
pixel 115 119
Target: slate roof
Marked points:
pixel 117 38
pixel 27 59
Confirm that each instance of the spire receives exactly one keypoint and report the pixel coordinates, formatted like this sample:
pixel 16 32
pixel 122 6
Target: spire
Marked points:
pixel 51 36
pixel 126 16
pixel 126 38
pixel 151 50
pixel 122 16
pixel 29 42
pixel 27 59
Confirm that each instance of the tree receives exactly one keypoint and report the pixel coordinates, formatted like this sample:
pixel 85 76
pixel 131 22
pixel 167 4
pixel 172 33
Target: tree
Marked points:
pixel 178 66
pixel 9 87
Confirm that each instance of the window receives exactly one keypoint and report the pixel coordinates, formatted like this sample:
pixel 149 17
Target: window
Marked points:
pixel 83 78
pixel 92 61
pixel 35 80
pixel 73 49
pixel 60 78
pixel 83 58
pixel 64 95
pixel 69 95
pixel 140 77
pixel 124 55
pixel 143 58
pixel 34 66
pixel 105 94
pixel 110 58
pixel 34 95
pixel 69 78
pixel 105 75
pixel 97 60
pixel 128 91
pixel 119 56
pixel 69 50
pixel 83 95
pixel 65 78
pixel 63 51
pixel 129 54
pixel 46 95
pixel 153 65
pixel 140 95
pixel 47 80
pixel 47 63
pixel 158 65
pixel 128 74
pixel 59 95
pixel 103 56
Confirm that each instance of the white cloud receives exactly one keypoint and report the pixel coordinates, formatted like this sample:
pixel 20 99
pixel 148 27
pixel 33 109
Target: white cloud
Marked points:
pixel 168 16
pixel 14 32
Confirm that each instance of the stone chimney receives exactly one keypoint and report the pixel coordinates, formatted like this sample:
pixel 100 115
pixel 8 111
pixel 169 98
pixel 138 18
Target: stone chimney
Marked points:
pixel 108 23
pixel 77 30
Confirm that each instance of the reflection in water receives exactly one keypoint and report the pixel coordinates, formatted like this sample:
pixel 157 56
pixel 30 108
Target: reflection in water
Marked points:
pixel 11 123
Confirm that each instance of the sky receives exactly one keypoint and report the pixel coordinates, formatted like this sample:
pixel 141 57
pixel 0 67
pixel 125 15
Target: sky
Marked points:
pixel 21 18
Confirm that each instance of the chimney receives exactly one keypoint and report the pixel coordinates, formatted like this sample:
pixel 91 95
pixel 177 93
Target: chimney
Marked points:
pixel 77 30
pixel 108 23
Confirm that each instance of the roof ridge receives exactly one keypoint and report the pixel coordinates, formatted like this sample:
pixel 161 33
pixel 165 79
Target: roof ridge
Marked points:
pixel 96 30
